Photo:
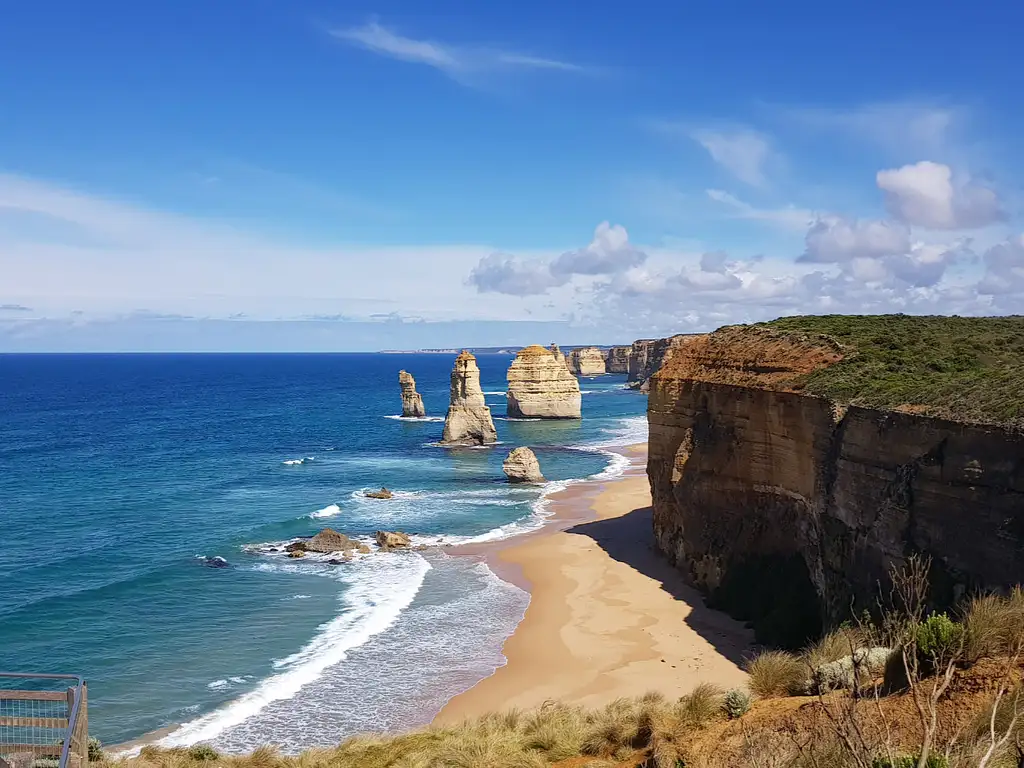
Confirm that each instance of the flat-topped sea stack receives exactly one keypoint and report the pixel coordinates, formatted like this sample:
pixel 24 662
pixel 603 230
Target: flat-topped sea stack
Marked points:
pixel 541 387
pixel 469 420
pixel 587 361
pixel 616 360
pixel 412 403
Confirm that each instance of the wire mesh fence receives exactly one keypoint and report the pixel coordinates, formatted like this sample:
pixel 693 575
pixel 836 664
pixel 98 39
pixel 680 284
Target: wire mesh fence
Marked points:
pixel 43 721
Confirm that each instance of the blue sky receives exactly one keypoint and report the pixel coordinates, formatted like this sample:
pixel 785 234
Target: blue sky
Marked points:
pixel 263 174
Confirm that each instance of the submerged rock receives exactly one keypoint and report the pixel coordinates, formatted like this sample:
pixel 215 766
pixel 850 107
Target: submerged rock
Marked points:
pixel 521 466
pixel 469 419
pixel 540 385
pixel 383 493
pixel 392 540
pixel 412 403
pixel 297 553
pixel 215 562
pixel 587 361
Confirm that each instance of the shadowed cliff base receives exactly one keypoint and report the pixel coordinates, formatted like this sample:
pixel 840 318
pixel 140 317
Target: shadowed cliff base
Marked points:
pixel 628 540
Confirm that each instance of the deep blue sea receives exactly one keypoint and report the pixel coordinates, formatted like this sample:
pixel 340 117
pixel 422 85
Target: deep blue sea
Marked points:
pixel 120 473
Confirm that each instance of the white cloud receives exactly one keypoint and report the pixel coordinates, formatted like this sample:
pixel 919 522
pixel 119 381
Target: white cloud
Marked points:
pixel 836 240
pixel 788 217
pixel 608 253
pixel 504 273
pixel 461 63
pixel 742 152
pixel 1004 268
pixel 926 195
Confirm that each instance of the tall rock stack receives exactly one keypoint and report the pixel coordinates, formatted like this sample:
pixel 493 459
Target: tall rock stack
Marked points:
pixel 617 360
pixel 541 387
pixel 412 403
pixel 469 420
pixel 587 361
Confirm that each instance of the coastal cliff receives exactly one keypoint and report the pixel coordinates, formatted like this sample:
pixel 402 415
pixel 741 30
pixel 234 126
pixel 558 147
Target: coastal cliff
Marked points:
pixel 617 360
pixel 540 385
pixel 468 421
pixel 587 361
pixel 787 506
pixel 646 356
pixel 412 402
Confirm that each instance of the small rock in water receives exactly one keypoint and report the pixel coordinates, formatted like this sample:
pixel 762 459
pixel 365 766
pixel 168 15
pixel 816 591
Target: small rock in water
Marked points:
pixel 215 562
pixel 521 466
pixel 296 553
pixel 383 493
pixel 392 540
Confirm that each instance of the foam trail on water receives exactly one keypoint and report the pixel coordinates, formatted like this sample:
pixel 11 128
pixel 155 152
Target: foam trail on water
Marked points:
pixel 378 591
pixel 416 418
pixel 296 462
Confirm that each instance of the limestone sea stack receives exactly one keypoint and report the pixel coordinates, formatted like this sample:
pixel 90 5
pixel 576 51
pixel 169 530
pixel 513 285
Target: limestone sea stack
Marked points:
pixel 587 361
pixel 521 466
pixel 541 387
pixel 412 403
pixel 617 360
pixel 469 420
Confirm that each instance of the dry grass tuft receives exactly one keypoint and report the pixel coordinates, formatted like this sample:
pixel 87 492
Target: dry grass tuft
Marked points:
pixel 833 647
pixel 777 673
pixel 994 625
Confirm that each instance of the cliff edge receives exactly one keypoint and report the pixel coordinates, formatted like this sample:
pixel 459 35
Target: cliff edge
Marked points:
pixel 790 468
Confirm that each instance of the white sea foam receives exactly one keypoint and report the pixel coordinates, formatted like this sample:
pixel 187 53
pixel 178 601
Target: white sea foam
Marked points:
pixel 379 589
pixel 329 511
pixel 502 393
pixel 515 418
pixel 296 462
pixel 217 685
pixel 416 418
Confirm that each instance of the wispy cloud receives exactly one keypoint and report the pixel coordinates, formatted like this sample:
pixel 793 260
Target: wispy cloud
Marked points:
pixel 898 126
pixel 465 64
pixel 14 308
pixel 788 217
pixel 742 152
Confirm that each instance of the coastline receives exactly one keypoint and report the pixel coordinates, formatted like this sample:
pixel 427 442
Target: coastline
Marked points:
pixel 608 616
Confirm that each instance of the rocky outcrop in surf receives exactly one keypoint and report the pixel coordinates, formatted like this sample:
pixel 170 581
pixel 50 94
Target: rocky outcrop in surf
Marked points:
pixel 540 385
pixel 587 361
pixel 383 493
pixel 468 421
pixel 412 403
pixel 326 542
pixel 388 540
pixel 521 466
pixel 616 360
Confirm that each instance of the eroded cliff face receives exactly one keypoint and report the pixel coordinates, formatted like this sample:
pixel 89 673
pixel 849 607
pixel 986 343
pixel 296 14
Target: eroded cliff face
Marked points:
pixel 616 360
pixel 789 510
pixel 586 361
pixel 412 402
pixel 646 356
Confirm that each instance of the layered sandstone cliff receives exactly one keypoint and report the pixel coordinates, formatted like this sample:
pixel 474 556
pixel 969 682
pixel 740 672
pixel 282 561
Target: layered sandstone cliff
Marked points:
pixel 540 385
pixel 616 360
pixel 587 361
pixel 646 356
pixel 788 510
pixel 468 421
pixel 412 403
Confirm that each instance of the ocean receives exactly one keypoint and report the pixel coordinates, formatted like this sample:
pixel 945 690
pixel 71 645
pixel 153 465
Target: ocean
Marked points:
pixel 121 474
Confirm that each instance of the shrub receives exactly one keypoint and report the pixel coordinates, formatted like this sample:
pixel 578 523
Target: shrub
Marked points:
pixel 865 664
pixel 736 703
pixel 95 750
pixel 202 752
pixel 700 705
pixel 777 673
pixel 833 647
pixel 939 638
pixel 910 761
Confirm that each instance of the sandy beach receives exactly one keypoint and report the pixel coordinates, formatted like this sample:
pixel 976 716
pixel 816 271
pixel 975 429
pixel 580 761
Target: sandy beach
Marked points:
pixel 608 615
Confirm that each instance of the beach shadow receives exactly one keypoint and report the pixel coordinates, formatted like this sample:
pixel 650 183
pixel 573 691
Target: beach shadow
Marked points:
pixel 629 539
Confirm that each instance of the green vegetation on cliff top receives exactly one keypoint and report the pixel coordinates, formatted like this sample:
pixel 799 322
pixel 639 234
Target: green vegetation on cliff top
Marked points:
pixel 962 368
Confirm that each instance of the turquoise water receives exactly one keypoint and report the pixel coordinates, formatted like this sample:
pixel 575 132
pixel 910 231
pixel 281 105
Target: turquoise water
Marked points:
pixel 120 473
